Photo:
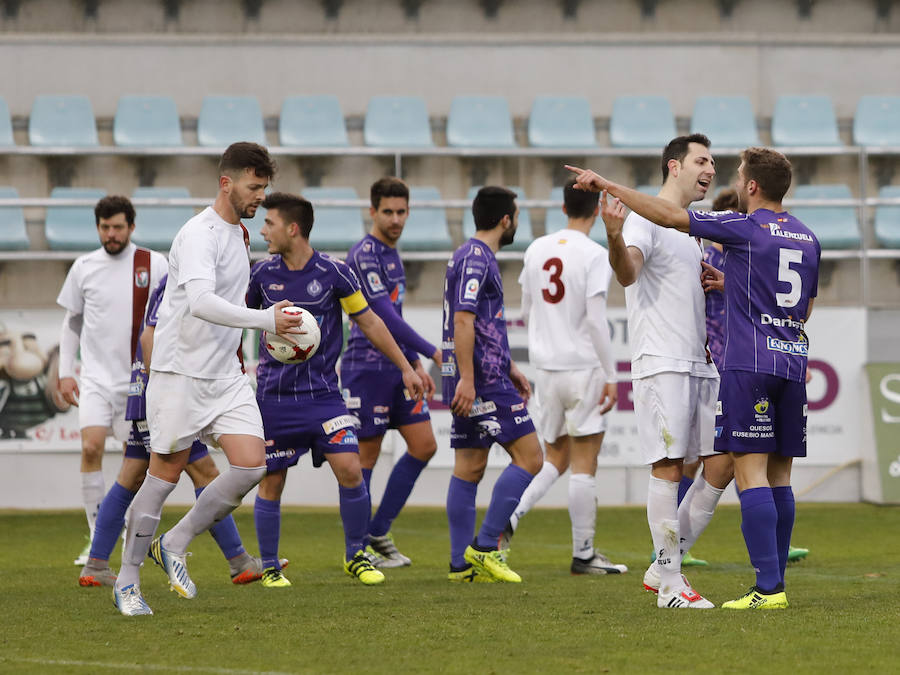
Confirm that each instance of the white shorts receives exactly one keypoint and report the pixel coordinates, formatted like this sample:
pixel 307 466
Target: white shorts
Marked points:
pixel 99 406
pixel 568 402
pixel 183 409
pixel 676 415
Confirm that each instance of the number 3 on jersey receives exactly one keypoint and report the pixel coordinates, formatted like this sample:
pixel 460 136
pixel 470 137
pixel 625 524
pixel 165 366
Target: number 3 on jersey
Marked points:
pixel 555 267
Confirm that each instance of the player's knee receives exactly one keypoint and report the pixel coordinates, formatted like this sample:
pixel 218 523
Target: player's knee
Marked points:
pixel 424 451
pixel 202 472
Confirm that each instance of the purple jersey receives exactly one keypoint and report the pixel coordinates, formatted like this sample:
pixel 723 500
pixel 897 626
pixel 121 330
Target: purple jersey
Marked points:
pixel 473 284
pixel 319 288
pixel 715 309
pixel 773 271
pixel 136 407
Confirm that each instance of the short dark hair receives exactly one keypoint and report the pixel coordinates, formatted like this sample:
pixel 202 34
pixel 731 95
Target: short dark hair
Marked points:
pixel 240 156
pixel 293 208
pixel 113 204
pixel 491 204
pixel 678 149
pixel 579 203
pixel 389 186
pixel 726 200
pixel 770 169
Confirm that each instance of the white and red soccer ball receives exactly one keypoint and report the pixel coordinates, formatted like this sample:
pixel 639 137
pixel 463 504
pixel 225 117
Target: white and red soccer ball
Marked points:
pixel 307 339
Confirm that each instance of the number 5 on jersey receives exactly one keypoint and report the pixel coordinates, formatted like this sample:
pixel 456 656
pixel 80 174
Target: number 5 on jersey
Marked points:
pixel 555 289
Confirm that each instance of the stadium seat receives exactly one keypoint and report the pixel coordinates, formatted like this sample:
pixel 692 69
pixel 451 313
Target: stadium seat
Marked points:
pixel 641 122
pixel 804 120
pixel 561 122
pixel 557 220
pixel 6 131
pixel 836 227
pixel 877 121
pixel 61 121
pixel 312 121
pixel 13 236
pixel 887 219
pixel 146 121
pixel 225 120
pixel 156 226
pixel 524 234
pixel 399 121
pixel 334 229
pixel 426 227
pixel 728 121
pixel 72 228
pixel 480 122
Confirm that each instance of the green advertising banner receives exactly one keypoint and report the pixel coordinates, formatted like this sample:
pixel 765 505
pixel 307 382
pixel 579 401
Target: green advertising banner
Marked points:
pixel 884 391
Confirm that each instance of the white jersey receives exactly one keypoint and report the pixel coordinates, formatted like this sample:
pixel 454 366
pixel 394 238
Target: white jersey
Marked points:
pixel 100 287
pixel 666 305
pixel 210 249
pixel 560 272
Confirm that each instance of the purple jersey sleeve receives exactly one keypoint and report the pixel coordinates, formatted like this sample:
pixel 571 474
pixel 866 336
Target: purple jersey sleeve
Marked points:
pixel 470 282
pixel 154 302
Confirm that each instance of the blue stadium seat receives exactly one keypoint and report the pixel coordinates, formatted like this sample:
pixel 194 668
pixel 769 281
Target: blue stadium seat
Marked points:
pixel 225 120
pixel 524 234
pixel 557 220
pixel 480 122
pixel 804 120
pixel 72 228
pixel 728 121
pixel 62 120
pixel 836 227
pixel 561 122
pixel 6 131
pixel 641 122
pixel 13 236
pixel 335 229
pixel 146 121
pixel 877 121
pixel 397 121
pixel 312 121
pixel 426 227
pixel 156 226
pixel 887 219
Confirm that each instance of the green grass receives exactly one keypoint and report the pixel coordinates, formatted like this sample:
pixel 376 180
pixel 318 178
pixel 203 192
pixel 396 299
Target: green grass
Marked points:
pixel 843 616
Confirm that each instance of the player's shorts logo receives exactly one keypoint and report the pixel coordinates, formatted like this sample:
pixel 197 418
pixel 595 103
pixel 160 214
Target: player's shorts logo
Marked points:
pixel 142 277
pixel 343 437
pixel 480 407
pixel 490 427
pixel 380 409
pixel 718 408
pixel 719 432
pixel 339 422
pixel 515 407
pixel 471 291
pixel 352 402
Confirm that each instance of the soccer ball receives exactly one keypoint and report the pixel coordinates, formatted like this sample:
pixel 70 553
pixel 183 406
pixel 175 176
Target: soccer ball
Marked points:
pixel 307 339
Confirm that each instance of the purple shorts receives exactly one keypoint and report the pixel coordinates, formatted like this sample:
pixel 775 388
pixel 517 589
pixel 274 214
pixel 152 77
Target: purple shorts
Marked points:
pixel 760 413
pixel 495 418
pixel 294 428
pixel 380 401
pixel 138 445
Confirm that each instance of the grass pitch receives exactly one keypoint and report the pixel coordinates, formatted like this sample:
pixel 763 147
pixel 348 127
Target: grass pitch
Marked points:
pixel 845 604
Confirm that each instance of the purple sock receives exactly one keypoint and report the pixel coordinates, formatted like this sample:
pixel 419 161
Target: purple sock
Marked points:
pixel 367 479
pixel 267 518
pixel 396 492
pixel 461 517
pixel 683 487
pixel 355 512
pixel 784 505
pixel 759 521
pixel 225 533
pixel 507 492
pixel 110 521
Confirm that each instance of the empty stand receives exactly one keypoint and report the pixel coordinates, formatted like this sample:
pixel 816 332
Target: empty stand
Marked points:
pixel 397 121
pixel 804 120
pixel 877 121
pixel 641 122
pixel 309 121
pixel 146 121
pixel 524 233
pixel 887 219
pixel 6 131
pixel 480 122
pixel 72 228
pixel 836 227
pixel 62 121
pixel 225 120
pixel 13 236
pixel 561 122
pixel 728 121
pixel 156 226
pixel 426 228
pixel 335 228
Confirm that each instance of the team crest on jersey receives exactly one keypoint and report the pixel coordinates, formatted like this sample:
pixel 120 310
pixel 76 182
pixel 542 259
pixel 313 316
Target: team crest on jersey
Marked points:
pixel 142 277
pixel 375 282
pixel 472 287
pixel 314 287
pixel 276 287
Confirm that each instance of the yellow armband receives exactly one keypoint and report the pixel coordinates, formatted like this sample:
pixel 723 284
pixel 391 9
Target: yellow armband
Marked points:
pixel 354 304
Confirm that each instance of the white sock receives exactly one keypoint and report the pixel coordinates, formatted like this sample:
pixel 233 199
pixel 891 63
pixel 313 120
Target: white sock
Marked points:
pixel 695 511
pixel 662 516
pixel 218 499
pixel 583 513
pixel 142 522
pixel 92 493
pixel 536 489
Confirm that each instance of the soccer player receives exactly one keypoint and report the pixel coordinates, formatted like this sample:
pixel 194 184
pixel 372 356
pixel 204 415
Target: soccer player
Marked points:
pixel 770 287
pixel 301 404
pixel 565 279
pixel 373 388
pixel 101 289
pixel 200 468
pixel 486 392
pixel 197 389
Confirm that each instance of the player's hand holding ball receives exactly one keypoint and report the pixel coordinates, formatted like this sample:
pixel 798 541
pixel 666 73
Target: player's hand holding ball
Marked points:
pixel 297 335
